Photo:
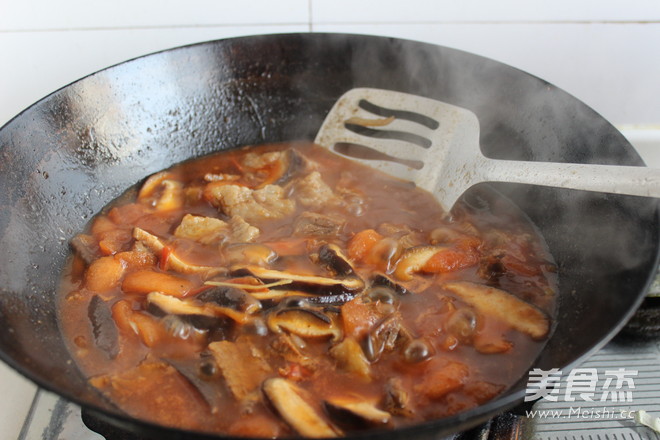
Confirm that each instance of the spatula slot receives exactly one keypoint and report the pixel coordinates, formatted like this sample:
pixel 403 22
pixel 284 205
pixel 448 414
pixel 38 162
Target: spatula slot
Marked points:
pixel 357 151
pixel 399 114
pixel 389 134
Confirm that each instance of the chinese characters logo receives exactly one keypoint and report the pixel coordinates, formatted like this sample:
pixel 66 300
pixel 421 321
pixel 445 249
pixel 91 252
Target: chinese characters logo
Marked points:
pixel 581 383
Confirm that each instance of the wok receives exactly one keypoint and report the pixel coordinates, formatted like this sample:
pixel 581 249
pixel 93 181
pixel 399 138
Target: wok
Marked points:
pixel 65 157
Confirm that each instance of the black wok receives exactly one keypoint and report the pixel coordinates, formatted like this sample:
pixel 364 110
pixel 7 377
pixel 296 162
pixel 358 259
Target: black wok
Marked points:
pixel 65 157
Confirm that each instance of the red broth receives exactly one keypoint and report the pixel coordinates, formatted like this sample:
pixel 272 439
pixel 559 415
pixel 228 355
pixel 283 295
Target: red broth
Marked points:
pixel 282 290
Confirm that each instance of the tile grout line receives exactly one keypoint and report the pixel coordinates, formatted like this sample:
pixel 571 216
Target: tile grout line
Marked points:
pixel 30 415
pixel 310 24
pixel 489 22
pixel 310 15
pixel 152 27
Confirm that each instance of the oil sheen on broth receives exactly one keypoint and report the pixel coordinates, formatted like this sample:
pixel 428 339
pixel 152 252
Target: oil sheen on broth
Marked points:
pixel 282 290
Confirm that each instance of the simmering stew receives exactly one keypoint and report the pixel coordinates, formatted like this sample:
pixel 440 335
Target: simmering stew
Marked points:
pixel 282 290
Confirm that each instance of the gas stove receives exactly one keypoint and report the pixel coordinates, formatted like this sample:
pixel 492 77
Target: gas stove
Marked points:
pixel 587 417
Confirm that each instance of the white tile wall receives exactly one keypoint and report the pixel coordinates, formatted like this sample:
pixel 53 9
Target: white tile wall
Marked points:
pixel 613 67
pixel 121 14
pixel 605 52
pixel 41 61
pixel 420 11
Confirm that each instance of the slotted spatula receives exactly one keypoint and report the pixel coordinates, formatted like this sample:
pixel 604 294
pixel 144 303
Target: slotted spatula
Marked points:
pixel 436 145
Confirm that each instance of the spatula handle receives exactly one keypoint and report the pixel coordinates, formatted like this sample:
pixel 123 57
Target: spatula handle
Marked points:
pixel 630 180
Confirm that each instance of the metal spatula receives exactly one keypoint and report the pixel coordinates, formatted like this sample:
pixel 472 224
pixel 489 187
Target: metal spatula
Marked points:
pixel 436 145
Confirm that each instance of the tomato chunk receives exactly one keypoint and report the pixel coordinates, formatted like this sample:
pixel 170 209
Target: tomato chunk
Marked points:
pixel 448 260
pixel 361 243
pixel 441 381
pixel 359 317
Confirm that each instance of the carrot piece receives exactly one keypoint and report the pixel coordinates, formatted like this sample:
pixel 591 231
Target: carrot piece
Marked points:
pixel 361 243
pixel 110 238
pixel 104 274
pixel 114 241
pixel 132 321
pixel 102 224
pixel 135 260
pixel 149 330
pixel 442 381
pixel 147 281
pixel 128 214
pixel 448 260
pixel 121 314
pixel 358 317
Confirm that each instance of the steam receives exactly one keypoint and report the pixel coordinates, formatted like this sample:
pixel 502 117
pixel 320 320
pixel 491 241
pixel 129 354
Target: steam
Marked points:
pixel 521 118
pixel 605 244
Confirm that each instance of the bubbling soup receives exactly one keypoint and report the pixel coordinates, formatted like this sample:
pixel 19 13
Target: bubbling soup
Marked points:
pixel 282 290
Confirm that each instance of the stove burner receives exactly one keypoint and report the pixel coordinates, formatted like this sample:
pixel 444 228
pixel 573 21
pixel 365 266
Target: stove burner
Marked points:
pixel 53 418
pixel 108 431
pixel 508 426
pixel 504 427
pixel 645 323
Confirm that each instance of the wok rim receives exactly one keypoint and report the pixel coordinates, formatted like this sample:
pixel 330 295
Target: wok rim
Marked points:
pixel 463 420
